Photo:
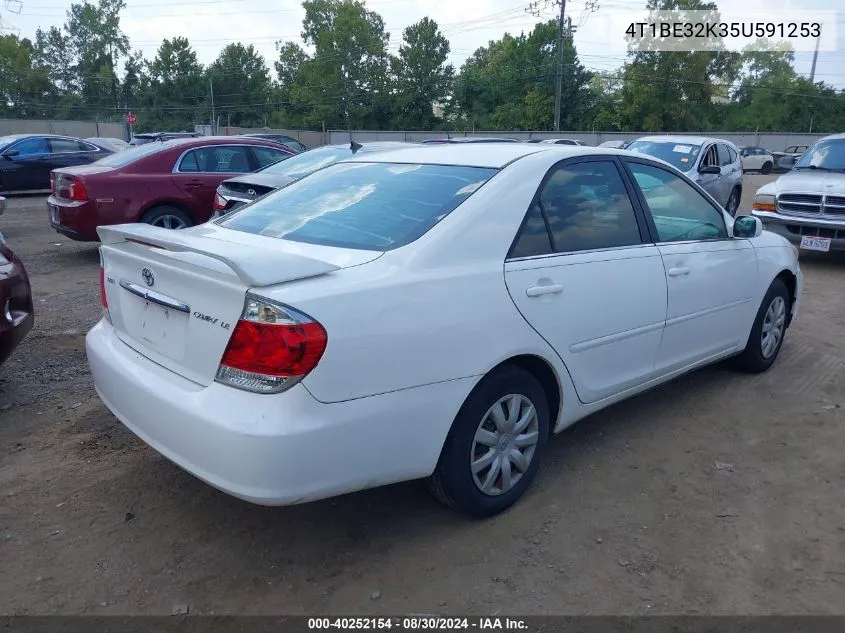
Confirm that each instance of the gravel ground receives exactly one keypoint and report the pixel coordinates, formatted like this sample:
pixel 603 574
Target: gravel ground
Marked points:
pixel 718 493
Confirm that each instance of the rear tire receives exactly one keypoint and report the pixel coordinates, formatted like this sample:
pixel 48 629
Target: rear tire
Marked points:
pixel 168 217
pixel 766 168
pixel 495 445
pixel 768 331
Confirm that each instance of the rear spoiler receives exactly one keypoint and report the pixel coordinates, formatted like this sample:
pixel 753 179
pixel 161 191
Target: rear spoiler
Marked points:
pixel 254 265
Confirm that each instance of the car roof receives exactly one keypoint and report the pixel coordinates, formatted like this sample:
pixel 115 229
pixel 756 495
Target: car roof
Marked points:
pixel 493 155
pixel 200 141
pixel 372 147
pixel 695 140
pixel 17 137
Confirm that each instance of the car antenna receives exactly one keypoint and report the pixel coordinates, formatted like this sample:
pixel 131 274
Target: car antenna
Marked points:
pixel 355 146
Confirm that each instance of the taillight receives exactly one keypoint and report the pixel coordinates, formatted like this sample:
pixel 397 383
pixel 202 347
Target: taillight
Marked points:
pixel 272 347
pixel 76 190
pixel 104 301
pixel 219 202
pixel 52 182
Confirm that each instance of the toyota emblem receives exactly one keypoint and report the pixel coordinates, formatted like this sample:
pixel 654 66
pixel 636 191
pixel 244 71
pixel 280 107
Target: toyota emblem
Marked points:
pixel 148 276
pixel 250 193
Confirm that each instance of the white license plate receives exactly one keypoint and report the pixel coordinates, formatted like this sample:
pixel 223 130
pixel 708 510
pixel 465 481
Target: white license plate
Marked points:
pixel 821 244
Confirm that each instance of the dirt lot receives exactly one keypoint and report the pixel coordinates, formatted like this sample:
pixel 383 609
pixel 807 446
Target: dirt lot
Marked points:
pixel 716 494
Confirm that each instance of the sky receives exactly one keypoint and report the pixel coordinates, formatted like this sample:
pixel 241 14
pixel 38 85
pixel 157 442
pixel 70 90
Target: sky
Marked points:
pixel 468 24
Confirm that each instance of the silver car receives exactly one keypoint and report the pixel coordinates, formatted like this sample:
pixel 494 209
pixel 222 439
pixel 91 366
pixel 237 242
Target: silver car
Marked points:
pixel 713 163
pixel 807 205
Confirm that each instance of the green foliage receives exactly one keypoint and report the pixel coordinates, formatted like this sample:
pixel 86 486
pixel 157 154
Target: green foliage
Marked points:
pixel 421 75
pixel 241 85
pixel 345 77
pixel 510 84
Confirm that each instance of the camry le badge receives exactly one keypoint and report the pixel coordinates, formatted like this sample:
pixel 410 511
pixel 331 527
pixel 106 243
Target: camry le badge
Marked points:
pixel 148 276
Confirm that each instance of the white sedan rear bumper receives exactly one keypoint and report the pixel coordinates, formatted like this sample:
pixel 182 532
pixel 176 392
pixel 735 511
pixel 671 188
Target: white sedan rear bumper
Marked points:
pixel 274 449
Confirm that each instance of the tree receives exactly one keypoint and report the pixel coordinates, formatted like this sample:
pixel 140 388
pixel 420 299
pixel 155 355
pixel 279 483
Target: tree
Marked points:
pixel 24 87
pixel 174 91
pixel 241 84
pixel 346 80
pixel 97 44
pixel 293 94
pixel 606 89
pixel 422 75
pixel 52 53
pixel 510 84
pixel 673 90
pixel 773 97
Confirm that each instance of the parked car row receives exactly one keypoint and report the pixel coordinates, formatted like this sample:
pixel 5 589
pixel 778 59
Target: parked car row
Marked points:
pixel 171 184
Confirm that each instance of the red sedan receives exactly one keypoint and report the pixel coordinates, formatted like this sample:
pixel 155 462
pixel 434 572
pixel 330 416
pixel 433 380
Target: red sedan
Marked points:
pixel 169 184
pixel 18 315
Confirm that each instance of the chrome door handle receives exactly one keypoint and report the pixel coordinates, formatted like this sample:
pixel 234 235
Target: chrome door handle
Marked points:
pixel 537 291
pixel 677 272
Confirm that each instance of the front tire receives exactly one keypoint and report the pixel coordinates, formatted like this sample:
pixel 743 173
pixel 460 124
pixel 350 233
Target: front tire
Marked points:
pixel 768 331
pixel 495 445
pixel 766 168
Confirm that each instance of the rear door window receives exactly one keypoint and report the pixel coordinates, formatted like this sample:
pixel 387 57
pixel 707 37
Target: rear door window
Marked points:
pixel 587 207
pixel 266 156
pixel 66 145
pixel 724 154
pixel 219 159
pixel 370 206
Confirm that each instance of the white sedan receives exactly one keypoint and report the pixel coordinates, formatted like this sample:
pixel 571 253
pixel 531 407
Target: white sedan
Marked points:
pixel 431 312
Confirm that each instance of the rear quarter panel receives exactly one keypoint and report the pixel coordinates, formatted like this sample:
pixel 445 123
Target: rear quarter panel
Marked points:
pixel 127 193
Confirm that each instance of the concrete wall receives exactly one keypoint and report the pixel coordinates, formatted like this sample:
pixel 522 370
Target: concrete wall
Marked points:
pixel 80 129
pixel 771 141
pixel 308 137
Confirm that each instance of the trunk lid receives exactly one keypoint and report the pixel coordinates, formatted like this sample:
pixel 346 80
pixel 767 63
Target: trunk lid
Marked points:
pixel 65 176
pixel 176 296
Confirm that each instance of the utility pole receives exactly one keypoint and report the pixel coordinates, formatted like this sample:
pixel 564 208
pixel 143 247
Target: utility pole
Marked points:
pixel 211 89
pixel 559 78
pixel 564 30
pixel 815 58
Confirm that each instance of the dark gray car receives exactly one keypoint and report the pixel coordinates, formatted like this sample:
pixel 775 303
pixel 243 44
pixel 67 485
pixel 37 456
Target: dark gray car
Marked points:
pixel 236 192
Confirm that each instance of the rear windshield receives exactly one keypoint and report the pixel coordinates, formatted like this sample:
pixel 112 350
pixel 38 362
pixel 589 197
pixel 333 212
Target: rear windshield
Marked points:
pixel 369 206
pixel 307 162
pixel 131 154
pixel 680 155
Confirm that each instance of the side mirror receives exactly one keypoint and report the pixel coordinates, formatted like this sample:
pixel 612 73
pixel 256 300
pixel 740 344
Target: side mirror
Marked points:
pixel 10 153
pixel 711 169
pixel 747 226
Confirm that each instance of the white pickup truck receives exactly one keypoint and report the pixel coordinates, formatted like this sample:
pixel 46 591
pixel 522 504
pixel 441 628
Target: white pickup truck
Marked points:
pixel 807 204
